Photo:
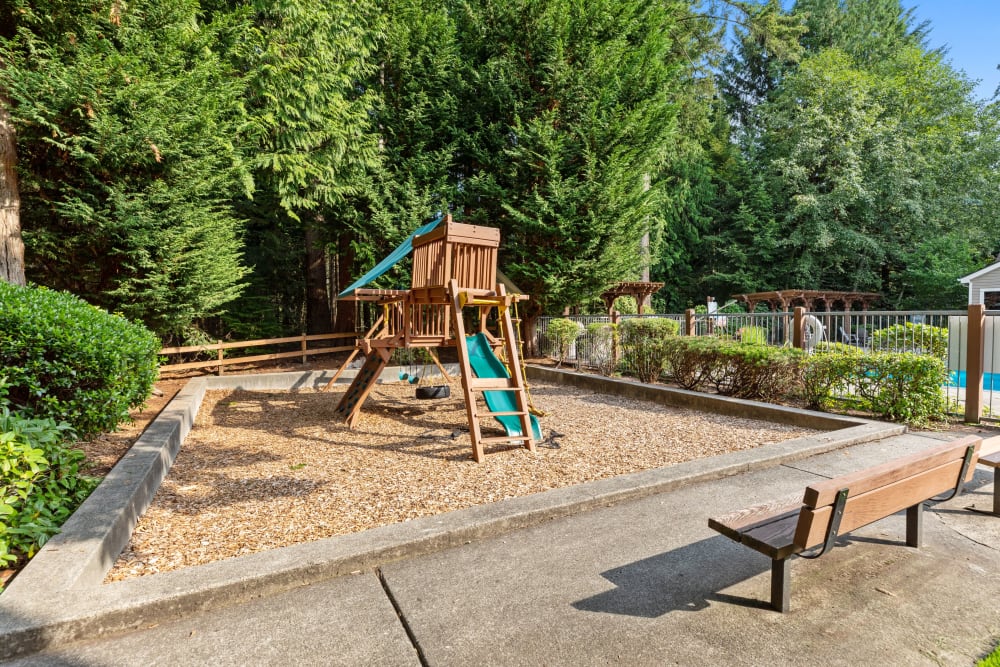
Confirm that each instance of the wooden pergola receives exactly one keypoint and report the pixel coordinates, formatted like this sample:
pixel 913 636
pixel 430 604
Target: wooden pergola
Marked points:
pixel 640 290
pixel 784 300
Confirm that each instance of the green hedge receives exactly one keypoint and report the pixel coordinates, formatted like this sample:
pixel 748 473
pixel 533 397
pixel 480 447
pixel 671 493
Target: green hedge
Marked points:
pixel 743 370
pixel 691 361
pixel 643 343
pixel 67 360
pixel 903 387
pixel 40 482
pixel 899 386
pixel 909 337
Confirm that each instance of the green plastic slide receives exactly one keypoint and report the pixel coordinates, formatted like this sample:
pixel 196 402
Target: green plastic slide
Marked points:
pixel 486 365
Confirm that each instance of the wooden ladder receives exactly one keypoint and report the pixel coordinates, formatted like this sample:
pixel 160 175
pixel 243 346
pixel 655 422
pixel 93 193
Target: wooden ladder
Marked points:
pixel 349 408
pixel 472 384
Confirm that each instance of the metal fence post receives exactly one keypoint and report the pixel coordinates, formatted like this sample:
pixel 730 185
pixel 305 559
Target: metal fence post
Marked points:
pixel 689 323
pixel 616 319
pixel 975 354
pixel 304 355
pixel 798 340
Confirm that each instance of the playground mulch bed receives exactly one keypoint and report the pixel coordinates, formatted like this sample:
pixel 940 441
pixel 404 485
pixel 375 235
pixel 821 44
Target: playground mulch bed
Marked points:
pixel 262 470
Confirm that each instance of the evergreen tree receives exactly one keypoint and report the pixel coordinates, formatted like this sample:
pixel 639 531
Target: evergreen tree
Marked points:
pixel 125 119
pixel 874 164
pixel 564 107
pixel 312 148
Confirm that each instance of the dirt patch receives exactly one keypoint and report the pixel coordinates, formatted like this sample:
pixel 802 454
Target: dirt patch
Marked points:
pixel 262 470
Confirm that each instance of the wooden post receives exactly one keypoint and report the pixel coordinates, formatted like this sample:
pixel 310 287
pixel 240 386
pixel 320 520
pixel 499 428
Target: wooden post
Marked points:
pixel 798 340
pixel 975 355
pixel 689 323
pixel 221 371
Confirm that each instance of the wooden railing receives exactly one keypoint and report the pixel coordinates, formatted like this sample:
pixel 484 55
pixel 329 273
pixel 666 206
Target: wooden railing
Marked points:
pixel 221 360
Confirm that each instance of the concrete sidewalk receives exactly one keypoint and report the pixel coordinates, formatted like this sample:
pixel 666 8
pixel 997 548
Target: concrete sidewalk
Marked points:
pixel 642 581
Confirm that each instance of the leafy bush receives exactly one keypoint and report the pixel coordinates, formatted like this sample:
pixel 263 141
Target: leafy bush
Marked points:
pixel 735 369
pixel 627 305
pixel 903 387
pixel 827 374
pixel 691 361
pixel 601 346
pixel 643 342
pixel 756 371
pixel 562 333
pixel 752 335
pixel 40 482
pixel 70 361
pixel 909 337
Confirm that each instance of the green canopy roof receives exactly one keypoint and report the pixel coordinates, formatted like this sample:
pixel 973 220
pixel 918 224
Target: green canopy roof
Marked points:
pixel 392 258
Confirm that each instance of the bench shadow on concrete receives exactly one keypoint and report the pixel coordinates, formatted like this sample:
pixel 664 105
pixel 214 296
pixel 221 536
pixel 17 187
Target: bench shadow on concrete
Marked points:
pixel 683 579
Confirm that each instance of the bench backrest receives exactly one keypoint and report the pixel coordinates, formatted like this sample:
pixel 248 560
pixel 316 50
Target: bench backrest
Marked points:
pixel 878 492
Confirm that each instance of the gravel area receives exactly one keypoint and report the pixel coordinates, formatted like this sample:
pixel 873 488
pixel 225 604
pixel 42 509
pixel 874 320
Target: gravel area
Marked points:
pixel 262 470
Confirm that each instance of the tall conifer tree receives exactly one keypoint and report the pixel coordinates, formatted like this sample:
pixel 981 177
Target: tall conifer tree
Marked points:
pixel 125 118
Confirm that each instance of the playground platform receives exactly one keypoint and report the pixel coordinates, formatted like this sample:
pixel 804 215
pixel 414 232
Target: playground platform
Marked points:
pixel 622 571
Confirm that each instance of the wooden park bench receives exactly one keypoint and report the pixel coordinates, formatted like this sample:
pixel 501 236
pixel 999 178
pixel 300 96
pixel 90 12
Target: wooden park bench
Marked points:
pixel 989 456
pixel 837 506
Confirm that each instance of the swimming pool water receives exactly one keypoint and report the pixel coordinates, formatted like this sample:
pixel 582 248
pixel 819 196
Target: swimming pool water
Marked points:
pixel 991 381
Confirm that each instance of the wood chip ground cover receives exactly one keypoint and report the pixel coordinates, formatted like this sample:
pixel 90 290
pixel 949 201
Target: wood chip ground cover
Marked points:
pixel 261 470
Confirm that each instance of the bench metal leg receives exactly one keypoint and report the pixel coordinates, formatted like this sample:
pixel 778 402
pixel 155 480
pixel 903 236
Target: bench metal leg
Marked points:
pixel 996 491
pixel 781 584
pixel 915 525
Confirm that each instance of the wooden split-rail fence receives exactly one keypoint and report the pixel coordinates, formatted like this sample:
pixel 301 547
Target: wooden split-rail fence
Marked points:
pixel 220 348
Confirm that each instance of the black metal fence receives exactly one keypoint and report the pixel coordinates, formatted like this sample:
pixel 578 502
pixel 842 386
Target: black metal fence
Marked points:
pixel 943 333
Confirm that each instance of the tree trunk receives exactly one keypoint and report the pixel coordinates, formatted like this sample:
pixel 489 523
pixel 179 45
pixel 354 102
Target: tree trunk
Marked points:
pixel 11 245
pixel 346 314
pixel 530 312
pixel 319 319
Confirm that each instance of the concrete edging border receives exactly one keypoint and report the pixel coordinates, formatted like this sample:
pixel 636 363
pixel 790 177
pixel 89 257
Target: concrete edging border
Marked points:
pixel 59 597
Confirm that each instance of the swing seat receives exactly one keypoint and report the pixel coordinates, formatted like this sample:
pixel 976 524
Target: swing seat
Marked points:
pixel 433 391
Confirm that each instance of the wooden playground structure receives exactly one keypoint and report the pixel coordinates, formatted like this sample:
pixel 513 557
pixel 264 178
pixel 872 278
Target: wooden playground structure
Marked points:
pixel 454 271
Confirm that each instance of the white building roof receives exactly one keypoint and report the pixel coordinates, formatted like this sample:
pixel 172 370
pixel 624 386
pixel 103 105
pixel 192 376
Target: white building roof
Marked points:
pixel 981 272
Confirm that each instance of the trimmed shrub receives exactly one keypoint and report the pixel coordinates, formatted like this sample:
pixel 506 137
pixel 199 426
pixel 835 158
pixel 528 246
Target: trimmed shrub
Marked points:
pixel 562 333
pixel 644 349
pixel 829 373
pixel 736 369
pixel 756 371
pixel 902 387
pixel 909 337
pixel 40 482
pixel 67 360
pixel 691 361
pixel 601 342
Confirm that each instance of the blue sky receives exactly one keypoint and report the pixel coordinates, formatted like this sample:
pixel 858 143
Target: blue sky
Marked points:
pixel 971 31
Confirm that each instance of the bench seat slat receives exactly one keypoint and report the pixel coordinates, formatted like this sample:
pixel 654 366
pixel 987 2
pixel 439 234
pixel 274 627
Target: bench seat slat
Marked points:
pixel 825 492
pixel 776 538
pixel 878 503
pixel 991 460
pixel 767 528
